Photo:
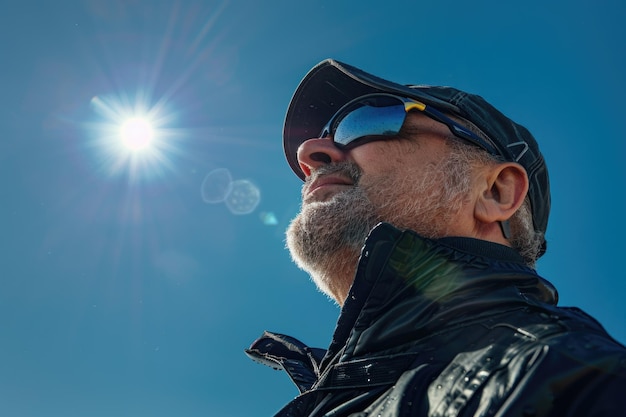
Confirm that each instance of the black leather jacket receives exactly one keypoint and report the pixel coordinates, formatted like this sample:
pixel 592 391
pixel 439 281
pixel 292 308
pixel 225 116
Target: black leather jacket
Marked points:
pixel 453 327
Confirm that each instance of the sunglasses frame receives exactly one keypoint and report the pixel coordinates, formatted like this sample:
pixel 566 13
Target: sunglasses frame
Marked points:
pixel 409 104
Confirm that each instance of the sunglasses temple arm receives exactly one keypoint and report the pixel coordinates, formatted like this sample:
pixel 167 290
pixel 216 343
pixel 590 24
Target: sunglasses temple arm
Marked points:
pixel 460 131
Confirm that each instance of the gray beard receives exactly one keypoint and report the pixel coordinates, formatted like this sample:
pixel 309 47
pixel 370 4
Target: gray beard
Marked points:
pixel 323 228
pixel 325 238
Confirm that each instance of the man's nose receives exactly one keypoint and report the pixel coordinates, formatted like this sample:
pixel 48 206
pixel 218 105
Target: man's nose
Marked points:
pixel 317 152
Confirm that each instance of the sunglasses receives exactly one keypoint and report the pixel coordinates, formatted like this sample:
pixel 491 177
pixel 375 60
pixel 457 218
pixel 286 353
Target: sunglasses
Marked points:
pixel 380 116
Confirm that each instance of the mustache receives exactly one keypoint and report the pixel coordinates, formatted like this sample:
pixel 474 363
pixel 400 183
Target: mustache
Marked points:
pixel 349 170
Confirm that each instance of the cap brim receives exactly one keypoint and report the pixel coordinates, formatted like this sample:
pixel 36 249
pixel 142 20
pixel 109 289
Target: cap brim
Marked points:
pixel 324 90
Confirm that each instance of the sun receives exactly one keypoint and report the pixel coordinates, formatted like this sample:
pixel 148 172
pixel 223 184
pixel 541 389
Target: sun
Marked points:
pixel 133 136
pixel 137 134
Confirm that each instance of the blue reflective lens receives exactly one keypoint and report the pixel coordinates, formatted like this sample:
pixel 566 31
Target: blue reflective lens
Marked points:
pixel 368 121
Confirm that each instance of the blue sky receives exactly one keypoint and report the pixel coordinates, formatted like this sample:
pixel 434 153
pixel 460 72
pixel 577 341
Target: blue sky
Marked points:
pixel 123 293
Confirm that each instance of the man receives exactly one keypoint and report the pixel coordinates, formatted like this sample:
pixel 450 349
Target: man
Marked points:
pixel 424 210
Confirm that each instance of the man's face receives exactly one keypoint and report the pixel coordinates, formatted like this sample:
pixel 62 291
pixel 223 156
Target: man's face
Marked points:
pixel 409 181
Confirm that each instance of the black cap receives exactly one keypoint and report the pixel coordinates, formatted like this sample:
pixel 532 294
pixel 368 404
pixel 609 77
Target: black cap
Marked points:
pixel 331 84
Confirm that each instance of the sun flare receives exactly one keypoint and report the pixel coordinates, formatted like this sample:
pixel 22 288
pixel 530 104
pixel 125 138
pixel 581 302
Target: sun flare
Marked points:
pixel 133 136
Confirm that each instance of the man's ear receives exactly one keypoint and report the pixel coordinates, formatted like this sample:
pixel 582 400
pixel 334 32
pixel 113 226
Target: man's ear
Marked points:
pixel 505 188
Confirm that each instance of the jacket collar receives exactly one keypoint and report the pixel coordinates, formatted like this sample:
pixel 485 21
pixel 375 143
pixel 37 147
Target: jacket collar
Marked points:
pixel 406 284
